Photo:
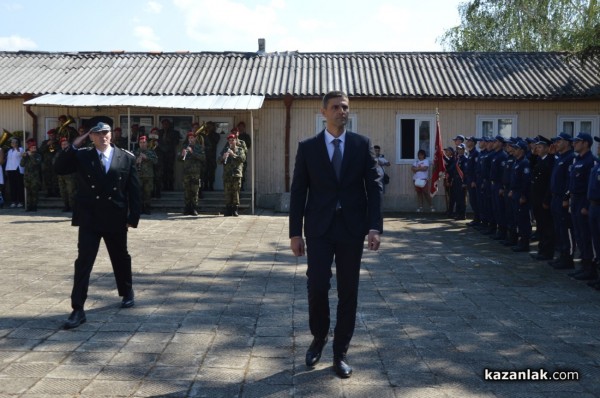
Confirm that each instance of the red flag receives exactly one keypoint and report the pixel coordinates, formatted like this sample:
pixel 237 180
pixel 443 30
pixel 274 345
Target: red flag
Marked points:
pixel 439 167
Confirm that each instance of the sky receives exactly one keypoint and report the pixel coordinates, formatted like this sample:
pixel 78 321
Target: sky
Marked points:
pixel 226 25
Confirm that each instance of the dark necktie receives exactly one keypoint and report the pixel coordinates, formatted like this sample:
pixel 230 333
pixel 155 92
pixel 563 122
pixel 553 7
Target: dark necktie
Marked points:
pixel 103 163
pixel 336 159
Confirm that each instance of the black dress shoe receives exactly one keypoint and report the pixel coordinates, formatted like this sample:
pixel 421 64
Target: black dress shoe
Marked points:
pixel 76 318
pixel 313 354
pixel 341 367
pixel 128 300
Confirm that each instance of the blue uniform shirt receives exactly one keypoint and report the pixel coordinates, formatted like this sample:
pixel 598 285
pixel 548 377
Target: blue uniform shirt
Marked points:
pixel 580 174
pixel 593 192
pixel 559 180
pixel 497 166
pixel 520 183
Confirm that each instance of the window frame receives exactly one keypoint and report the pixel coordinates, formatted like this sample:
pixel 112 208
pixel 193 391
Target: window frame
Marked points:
pixel 560 119
pixel 494 119
pixel 417 118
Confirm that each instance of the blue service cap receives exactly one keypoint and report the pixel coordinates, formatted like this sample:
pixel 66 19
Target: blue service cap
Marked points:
pixel 584 137
pixel 474 139
pixel 530 140
pixel 449 149
pixel 459 137
pixel 519 145
pixel 461 146
pixel 563 136
pixel 597 139
pixel 500 138
pixel 100 127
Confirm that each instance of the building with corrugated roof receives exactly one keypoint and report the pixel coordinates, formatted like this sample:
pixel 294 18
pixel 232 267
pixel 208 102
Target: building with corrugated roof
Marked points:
pixel 394 98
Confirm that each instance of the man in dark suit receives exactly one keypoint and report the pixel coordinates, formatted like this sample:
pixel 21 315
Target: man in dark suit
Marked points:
pixel 107 203
pixel 541 196
pixel 336 196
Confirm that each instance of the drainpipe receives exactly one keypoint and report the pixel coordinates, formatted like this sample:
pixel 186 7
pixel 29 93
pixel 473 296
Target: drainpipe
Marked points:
pixel 287 100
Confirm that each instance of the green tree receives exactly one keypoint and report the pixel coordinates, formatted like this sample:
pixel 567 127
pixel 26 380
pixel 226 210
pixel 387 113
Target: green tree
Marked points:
pixel 527 25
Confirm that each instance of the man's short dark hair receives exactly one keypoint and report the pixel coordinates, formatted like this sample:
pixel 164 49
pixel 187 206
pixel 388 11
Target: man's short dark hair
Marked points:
pixel 333 94
pixel 376 147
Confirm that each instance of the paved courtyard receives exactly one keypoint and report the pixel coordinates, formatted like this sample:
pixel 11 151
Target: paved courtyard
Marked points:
pixel 221 311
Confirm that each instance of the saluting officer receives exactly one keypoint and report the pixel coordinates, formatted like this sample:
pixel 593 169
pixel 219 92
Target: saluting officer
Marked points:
pixel 579 204
pixel 541 198
pixel 559 185
pixel 520 184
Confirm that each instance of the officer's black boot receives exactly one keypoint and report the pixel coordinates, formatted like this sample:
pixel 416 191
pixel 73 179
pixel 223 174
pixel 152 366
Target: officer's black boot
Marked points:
pixel 563 262
pixel 234 210
pixel 522 246
pixel 512 239
pixel 589 271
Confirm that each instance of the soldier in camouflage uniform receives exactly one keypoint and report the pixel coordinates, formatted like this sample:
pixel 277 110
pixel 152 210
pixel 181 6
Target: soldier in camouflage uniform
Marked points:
pixel 31 161
pixel 194 160
pixel 158 167
pixel 145 159
pixel 48 150
pixel 66 182
pixel 233 164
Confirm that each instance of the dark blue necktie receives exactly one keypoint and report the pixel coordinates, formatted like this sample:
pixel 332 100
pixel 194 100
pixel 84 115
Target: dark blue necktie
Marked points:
pixel 336 159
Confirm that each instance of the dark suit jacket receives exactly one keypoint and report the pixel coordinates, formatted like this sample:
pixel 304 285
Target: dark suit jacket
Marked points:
pixel 315 189
pixel 104 201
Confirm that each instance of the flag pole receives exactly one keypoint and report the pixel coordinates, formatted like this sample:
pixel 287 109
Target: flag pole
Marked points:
pixel 439 167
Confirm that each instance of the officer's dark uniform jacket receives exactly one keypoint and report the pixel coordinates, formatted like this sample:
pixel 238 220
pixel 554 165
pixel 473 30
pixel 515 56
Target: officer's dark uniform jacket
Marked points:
pixel 540 180
pixel 593 192
pixel 104 201
pixel 520 183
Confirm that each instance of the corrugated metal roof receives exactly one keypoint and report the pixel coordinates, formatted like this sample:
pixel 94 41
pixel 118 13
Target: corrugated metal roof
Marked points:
pixel 396 75
pixel 244 102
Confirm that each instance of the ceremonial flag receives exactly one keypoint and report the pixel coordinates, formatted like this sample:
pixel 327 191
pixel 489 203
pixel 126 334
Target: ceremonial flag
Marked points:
pixel 439 167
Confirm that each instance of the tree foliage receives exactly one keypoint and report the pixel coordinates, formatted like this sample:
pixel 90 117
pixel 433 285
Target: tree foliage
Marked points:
pixel 527 25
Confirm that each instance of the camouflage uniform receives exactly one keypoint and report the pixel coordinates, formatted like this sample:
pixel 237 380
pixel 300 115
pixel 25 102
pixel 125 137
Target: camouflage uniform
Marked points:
pixel 48 149
pixel 146 174
pixel 211 140
pixel 232 180
pixel 193 166
pixel 32 178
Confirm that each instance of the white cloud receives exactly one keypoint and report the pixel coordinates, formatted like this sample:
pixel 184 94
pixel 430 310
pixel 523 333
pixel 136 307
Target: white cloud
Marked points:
pixel 16 43
pixel 148 39
pixel 154 7
pixel 228 24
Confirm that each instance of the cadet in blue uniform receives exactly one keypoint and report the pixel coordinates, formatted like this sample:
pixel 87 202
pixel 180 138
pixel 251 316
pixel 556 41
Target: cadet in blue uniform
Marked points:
pixel 579 204
pixel 496 170
pixel 519 193
pixel 471 179
pixel 540 199
pixel 594 213
pixel 483 217
pixel 486 163
pixel 511 226
pixel 559 185
pixel 458 183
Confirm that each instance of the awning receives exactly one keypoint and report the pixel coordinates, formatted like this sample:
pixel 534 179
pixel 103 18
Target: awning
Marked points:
pixel 205 102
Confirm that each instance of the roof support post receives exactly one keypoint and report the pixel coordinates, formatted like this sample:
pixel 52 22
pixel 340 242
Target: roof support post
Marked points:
pixel 287 100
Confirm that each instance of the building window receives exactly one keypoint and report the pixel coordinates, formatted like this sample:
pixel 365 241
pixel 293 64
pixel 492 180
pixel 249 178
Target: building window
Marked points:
pixel 145 121
pixel 321 123
pixel 413 133
pixel 573 125
pixel 181 124
pixel 493 125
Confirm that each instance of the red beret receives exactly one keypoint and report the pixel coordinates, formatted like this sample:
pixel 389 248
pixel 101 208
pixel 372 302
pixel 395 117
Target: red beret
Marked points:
pixel 235 130
pixel 117 129
pixel 154 129
pixel 230 136
pixel 63 139
pixel 143 138
pixel 30 143
pixel 51 132
pixel 191 134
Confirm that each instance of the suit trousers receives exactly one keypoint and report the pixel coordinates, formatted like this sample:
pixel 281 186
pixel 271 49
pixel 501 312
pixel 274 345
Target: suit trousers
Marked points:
pixel 473 201
pixel 339 246
pixel 498 206
pixel 544 227
pixel 89 242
